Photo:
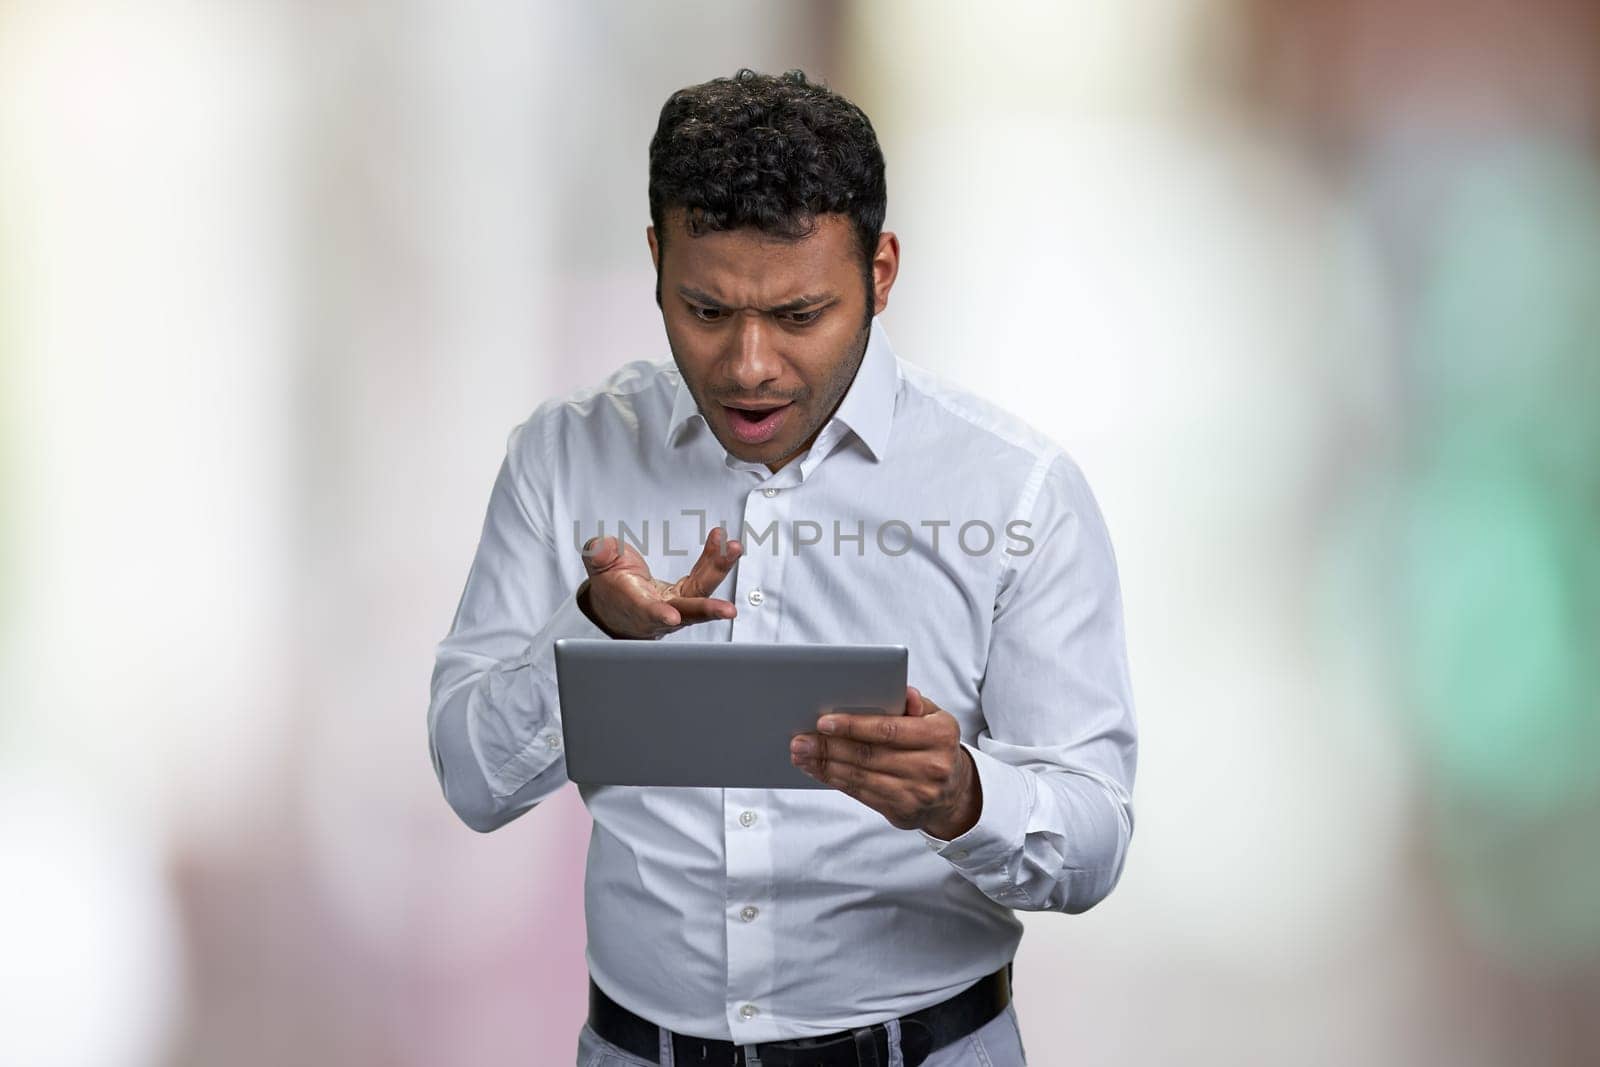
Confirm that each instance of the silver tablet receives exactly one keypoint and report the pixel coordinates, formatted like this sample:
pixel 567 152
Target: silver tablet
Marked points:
pixel 721 715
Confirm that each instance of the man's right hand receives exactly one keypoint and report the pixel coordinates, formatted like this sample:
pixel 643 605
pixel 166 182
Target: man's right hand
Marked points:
pixel 621 597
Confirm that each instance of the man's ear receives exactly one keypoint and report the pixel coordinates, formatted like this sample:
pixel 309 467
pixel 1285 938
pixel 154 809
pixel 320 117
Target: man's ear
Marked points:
pixel 885 269
pixel 655 258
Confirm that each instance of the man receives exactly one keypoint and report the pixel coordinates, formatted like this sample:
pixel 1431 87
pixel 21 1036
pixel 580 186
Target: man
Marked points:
pixel 869 502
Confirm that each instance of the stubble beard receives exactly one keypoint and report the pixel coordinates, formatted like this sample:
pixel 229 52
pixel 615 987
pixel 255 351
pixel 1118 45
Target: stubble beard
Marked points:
pixel 837 385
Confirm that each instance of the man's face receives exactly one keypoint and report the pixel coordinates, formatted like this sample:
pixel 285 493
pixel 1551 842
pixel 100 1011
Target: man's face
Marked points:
pixel 767 333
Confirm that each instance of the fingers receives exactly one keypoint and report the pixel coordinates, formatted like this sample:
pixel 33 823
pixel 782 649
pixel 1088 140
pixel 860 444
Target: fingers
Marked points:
pixel 897 798
pixel 702 609
pixel 691 595
pixel 868 786
pixel 716 560
pixel 905 767
pixel 811 753
pixel 893 731
pixel 664 615
pixel 634 604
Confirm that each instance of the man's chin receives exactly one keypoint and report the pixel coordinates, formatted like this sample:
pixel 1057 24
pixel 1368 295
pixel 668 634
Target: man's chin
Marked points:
pixel 766 452
pixel 779 450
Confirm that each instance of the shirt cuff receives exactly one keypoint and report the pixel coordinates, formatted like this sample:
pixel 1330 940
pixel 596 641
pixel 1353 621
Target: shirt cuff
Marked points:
pixel 1002 823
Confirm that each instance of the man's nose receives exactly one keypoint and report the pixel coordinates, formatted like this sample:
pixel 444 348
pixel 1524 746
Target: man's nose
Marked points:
pixel 755 360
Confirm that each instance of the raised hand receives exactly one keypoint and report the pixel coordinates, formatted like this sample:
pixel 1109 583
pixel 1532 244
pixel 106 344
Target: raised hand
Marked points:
pixel 626 601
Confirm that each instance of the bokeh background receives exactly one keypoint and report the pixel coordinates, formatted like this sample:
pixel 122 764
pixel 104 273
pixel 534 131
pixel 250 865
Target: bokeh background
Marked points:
pixel 1310 288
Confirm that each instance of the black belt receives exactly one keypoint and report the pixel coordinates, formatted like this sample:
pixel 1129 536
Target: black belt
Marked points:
pixel 921 1033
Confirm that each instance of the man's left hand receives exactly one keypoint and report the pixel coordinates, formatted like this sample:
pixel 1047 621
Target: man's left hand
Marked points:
pixel 909 768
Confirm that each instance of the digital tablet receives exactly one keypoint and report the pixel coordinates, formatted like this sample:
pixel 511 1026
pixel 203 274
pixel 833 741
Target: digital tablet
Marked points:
pixel 711 714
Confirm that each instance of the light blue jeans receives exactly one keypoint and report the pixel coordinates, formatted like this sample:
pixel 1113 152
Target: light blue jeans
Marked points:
pixel 998 1043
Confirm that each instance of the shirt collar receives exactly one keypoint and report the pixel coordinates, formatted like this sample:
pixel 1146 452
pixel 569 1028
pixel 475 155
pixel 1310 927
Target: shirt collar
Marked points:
pixel 867 408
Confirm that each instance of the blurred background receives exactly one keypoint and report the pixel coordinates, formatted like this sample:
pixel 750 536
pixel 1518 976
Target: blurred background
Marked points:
pixel 1310 288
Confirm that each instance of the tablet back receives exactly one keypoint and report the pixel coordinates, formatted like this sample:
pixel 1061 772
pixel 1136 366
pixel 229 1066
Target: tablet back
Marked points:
pixel 711 714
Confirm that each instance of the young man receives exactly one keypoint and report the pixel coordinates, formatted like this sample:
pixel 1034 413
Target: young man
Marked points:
pixel 871 502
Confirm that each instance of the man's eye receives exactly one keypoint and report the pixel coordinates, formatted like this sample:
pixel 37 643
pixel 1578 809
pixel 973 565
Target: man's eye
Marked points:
pixel 706 314
pixel 803 318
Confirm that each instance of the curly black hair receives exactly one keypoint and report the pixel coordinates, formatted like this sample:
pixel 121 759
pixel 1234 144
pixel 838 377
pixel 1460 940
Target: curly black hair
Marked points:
pixel 768 151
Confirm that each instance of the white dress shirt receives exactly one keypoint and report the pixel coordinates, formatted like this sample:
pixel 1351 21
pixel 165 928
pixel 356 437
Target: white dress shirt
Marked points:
pixel 758 915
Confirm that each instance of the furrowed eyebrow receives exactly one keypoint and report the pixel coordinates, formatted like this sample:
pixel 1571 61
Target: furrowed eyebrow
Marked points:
pixel 698 297
pixel 799 303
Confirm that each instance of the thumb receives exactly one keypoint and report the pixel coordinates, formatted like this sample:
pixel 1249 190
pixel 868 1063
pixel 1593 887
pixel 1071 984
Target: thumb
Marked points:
pixel 600 553
pixel 915 705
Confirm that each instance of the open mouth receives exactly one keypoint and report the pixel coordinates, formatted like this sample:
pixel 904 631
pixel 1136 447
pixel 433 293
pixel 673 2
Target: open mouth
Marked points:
pixel 753 427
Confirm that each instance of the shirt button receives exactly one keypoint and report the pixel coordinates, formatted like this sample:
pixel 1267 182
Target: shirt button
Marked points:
pixel 769 492
pixel 755 596
pixel 748 1011
pixel 747 818
pixel 553 741
pixel 749 912
pixel 959 854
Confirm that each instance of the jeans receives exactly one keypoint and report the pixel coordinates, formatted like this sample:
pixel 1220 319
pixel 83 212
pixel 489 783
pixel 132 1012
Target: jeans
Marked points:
pixel 997 1043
